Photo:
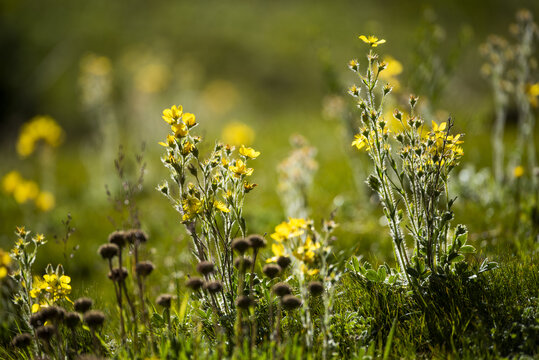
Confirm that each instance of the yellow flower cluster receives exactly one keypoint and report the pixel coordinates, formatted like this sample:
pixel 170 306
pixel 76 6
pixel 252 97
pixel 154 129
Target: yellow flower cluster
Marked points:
pixel 372 40
pixel 24 190
pixel 5 261
pixel 445 145
pixel 51 287
pixel 39 128
pixel 290 229
pixel 237 133
pixel 532 92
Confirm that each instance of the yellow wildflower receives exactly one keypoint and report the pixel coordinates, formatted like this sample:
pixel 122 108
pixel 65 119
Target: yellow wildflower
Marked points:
pixel 45 201
pixel 240 168
pixel 10 181
pixel 237 133
pixel 189 119
pixel 191 206
pixel 180 130
pixel 170 141
pixel 249 152
pixel 307 252
pixel 26 190
pixel 372 40
pixel 307 271
pixel 532 91
pixel 173 114
pixel 278 250
pixel 5 261
pixel 219 205
pixel 187 148
pixel 518 171
pixel 248 187
pixel 359 141
pixel 39 128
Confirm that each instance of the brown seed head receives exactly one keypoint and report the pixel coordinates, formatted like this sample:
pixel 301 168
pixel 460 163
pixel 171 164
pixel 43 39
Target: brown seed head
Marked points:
pixel 72 319
pixel 256 241
pixel 46 332
pixel 282 289
pixel 108 251
pixel 247 262
pixel 144 268
pixel 118 274
pixel 164 300
pixel 118 238
pixel 22 340
pixel 283 262
pixel 94 318
pixel 205 267
pixel 36 319
pixel 52 313
pixel 244 302
pixel 271 270
pixel 194 283
pixel 213 286
pixel 240 245
pixel 136 236
pixel 316 288
pixel 83 304
pixel 290 302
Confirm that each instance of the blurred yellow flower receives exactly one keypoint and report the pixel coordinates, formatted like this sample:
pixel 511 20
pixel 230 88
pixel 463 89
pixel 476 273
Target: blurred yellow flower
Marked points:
pixel 151 78
pixel 5 261
pixel 518 171
pixel 390 73
pixel 10 181
pixel 237 133
pixel 307 271
pixel 249 152
pixel 39 128
pixel 45 201
pixel 95 64
pixel 372 40
pixel 278 250
pixel 219 205
pixel 287 230
pixel 220 96
pixel 26 190
pixel 532 91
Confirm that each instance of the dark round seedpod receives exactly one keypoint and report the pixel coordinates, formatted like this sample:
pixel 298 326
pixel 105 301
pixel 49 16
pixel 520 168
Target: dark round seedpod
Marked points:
pixel 164 300
pixel 22 340
pixel 240 245
pixel 316 288
pixel 194 283
pixel 118 238
pixel 271 270
pixel 136 236
pixel 83 304
pixel 46 332
pixel 94 318
pixel 256 241
pixel 36 320
pixel 290 302
pixel 205 267
pixel 282 289
pixel 247 262
pixel 144 268
pixel 213 286
pixel 118 274
pixel 72 319
pixel 283 262
pixel 52 313
pixel 108 251
pixel 244 302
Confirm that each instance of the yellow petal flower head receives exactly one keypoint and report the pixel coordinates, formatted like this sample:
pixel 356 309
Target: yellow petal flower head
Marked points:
pixel 45 201
pixel 173 114
pixel 10 181
pixel 170 141
pixel 189 119
pixel 240 168
pixel 219 205
pixel 249 152
pixel 278 250
pixel 372 40
pixel 518 171
pixel 180 130
pixel 39 128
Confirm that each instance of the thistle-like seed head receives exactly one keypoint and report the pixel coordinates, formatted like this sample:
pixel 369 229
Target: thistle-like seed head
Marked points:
pixel 94 318
pixel 144 268
pixel 290 302
pixel 194 283
pixel 316 288
pixel 164 300
pixel 22 341
pixel 256 241
pixel 240 245
pixel 45 332
pixel 119 238
pixel 136 236
pixel 283 262
pixel 282 289
pixel 244 302
pixel 83 304
pixel 205 267
pixel 213 286
pixel 72 319
pixel 108 251
pixel 247 262
pixel 271 270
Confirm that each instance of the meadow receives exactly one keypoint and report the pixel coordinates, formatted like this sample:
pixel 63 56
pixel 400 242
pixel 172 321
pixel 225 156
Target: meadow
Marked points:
pixel 254 181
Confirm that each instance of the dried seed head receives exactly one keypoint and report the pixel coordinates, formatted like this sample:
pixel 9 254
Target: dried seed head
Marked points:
pixel 144 268
pixel 83 304
pixel 290 302
pixel 94 318
pixel 316 288
pixel 247 262
pixel 256 241
pixel 194 283
pixel 244 302
pixel 282 289
pixel 213 286
pixel 118 238
pixel 136 236
pixel 283 262
pixel 205 267
pixel 46 332
pixel 22 340
pixel 164 300
pixel 52 313
pixel 240 245
pixel 72 319
pixel 36 320
pixel 118 274
pixel 271 270
pixel 108 251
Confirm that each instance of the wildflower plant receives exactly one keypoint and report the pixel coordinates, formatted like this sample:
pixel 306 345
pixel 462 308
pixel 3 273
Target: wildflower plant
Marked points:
pixel 210 198
pixel 411 173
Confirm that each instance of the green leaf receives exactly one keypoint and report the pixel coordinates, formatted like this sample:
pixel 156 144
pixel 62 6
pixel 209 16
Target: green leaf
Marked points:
pixel 467 249
pixel 382 273
pixel 412 272
pixel 456 258
pixel 372 275
pixel 355 262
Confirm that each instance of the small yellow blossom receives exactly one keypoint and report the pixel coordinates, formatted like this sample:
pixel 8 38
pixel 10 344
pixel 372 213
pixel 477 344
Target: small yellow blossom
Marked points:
pixel 307 271
pixel 278 250
pixel 5 261
pixel 187 148
pixel 249 152
pixel 219 205
pixel 372 40
pixel 172 115
pixel 532 91
pixel 240 168
pixel 237 133
pixel 248 187
pixel 180 130
pixel 26 190
pixel 518 171
pixel 39 128
pixel 10 181
pixel 191 206
pixel 45 201
pixel 189 119
pixel 170 141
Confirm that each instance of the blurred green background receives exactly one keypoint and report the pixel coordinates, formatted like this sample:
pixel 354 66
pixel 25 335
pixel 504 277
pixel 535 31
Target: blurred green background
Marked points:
pixel 105 70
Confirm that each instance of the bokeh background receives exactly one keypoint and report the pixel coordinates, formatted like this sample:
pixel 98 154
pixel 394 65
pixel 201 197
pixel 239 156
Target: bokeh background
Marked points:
pixel 254 72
